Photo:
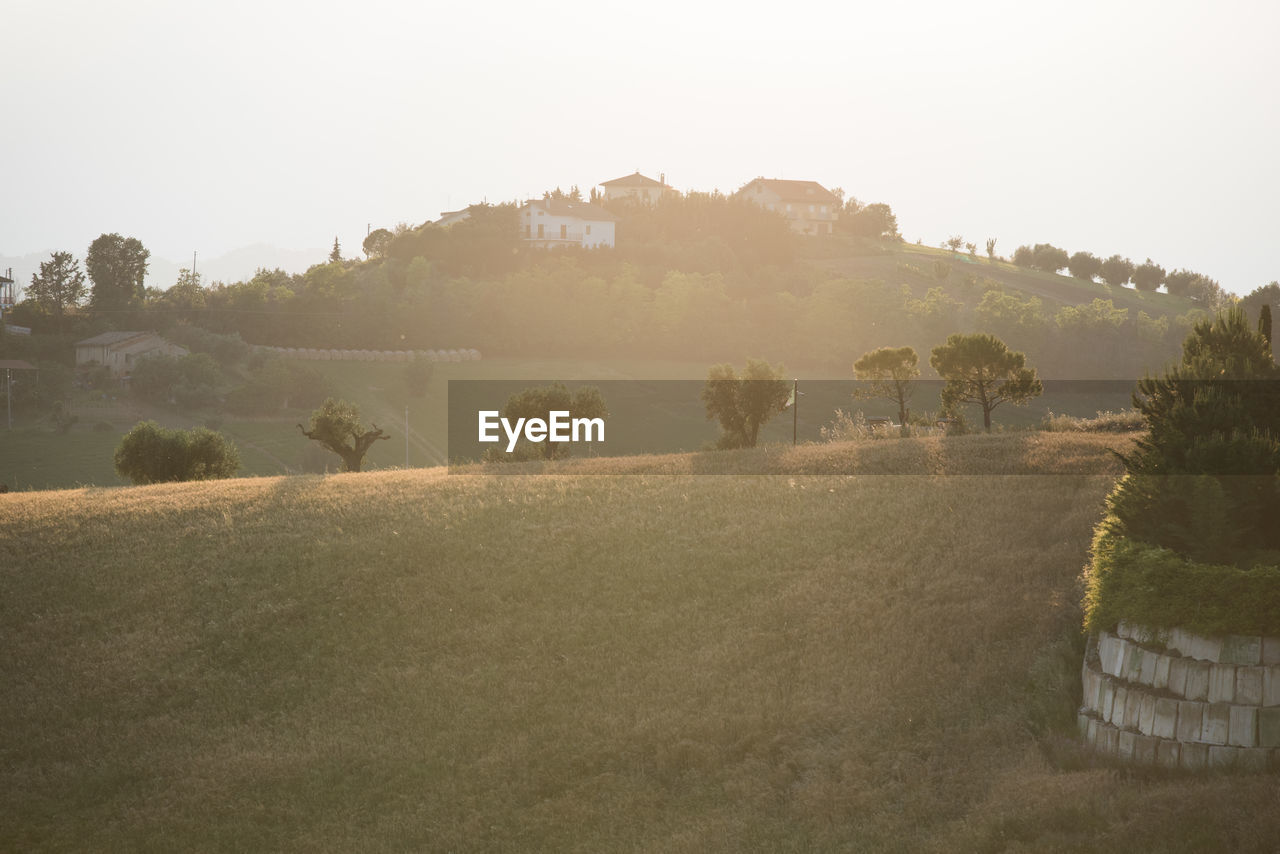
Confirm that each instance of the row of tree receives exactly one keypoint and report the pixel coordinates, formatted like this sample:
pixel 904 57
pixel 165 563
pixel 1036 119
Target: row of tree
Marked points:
pixel 1118 271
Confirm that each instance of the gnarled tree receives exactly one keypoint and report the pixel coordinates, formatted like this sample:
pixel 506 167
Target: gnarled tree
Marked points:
pixel 336 426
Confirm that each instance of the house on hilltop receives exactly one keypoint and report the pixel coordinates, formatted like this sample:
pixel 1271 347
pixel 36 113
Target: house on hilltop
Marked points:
pixel 120 351
pixel 635 187
pixel 807 205
pixel 558 222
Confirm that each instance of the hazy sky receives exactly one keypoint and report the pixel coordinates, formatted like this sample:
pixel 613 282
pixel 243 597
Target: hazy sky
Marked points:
pixel 1148 129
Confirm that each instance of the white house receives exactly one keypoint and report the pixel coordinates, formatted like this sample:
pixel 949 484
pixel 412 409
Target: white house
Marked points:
pixel 120 351
pixel 635 187
pixel 807 205
pixel 557 222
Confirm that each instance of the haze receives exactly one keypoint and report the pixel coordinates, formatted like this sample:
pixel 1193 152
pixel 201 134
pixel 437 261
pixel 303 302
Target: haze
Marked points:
pixel 1143 129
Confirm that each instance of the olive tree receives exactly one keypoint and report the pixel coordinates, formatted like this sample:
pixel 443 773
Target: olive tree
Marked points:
pixel 336 426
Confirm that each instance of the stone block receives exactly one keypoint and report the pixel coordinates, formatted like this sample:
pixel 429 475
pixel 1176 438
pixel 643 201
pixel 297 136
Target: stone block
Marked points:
pixel 1133 657
pixel 1165 722
pixel 1197 680
pixel 1144 750
pixel 1193 757
pixel 1206 648
pixel 1222 683
pixel 1082 723
pixel 1244 726
pixel 1140 634
pixel 1178 642
pixel 1271 685
pixel 1222 757
pixel 1271 650
pixel 1147 714
pixel 1091 735
pixel 1119 652
pixel 1190 720
pixel 1117 705
pixel 1107 653
pixel 1160 679
pixel 1168 753
pixel 1216 723
pixel 1147 673
pixel 1241 649
pixel 1108 699
pixel 1122 629
pixel 1132 708
pixel 1178 676
pixel 1125 744
pixel 1249 686
pixel 1269 727
pixel 1105 739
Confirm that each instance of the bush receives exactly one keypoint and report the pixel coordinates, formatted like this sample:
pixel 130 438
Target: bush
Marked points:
pixel 1156 587
pixel 151 454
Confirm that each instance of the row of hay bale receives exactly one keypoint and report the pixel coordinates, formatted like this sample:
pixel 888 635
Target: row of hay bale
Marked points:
pixel 463 355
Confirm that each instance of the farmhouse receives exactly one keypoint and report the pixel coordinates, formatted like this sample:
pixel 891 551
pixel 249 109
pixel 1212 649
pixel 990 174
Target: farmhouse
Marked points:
pixel 120 351
pixel 635 187
pixel 557 222
pixel 807 205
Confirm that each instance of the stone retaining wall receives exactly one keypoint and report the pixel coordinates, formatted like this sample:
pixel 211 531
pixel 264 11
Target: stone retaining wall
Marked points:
pixel 464 355
pixel 1181 700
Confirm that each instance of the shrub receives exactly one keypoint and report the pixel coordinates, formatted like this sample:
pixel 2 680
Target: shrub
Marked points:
pixel 1151 586
pixel 152 454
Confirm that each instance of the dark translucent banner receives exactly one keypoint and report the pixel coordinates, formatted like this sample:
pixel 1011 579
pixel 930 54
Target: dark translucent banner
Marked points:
pixel 496 421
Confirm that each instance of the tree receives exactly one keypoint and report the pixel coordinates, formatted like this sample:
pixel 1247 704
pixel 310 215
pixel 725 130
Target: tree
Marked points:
pixel 889 373
pixel 58 286
pixel 1115 271
pixel 1084 265
pixel 1264 323
pixel 375 245
pixel 1148 276
pixel 954 242
pixel 151 454
pixel 744 404
pixel 584 402
pixel 117 267
pixel 875 220
pixel 991 248
pixel 981 369
pixel 335 256
pixel 1048 258
pixel 1023 256
pixel 336 426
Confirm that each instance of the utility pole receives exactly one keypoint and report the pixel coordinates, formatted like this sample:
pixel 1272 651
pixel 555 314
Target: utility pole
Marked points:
pixel 795 409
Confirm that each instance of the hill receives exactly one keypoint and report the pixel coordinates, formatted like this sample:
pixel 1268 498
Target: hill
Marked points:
pixel 420 661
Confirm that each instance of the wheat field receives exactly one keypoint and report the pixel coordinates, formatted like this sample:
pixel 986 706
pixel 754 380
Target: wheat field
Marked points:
pixel 619 656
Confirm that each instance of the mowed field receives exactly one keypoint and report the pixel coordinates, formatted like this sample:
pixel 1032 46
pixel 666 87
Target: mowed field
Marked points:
pixel 414 660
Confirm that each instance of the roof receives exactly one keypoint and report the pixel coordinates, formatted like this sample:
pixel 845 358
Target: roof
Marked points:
pixel 108 338
pixel 15 365
pixel 633 180
pixel 577 210
pixel 795 191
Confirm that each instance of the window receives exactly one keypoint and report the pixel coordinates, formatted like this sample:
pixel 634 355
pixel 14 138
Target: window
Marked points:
pixel 526 231
pixel 564 231
pixel 588 229
pixel 540 231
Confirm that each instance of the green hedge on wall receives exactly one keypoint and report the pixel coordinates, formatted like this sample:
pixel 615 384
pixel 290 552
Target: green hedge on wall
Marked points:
pixel 1155 587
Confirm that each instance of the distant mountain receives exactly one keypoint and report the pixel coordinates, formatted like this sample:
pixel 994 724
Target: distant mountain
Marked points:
pixel 235 266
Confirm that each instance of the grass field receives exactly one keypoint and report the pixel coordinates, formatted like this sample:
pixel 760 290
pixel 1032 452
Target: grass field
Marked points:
pixel 411 660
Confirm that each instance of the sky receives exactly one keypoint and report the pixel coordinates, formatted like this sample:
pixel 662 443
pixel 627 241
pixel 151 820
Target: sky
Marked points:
pixel 1144 129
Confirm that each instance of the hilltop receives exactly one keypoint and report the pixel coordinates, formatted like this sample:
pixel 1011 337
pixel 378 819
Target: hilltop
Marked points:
pixel 417 660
